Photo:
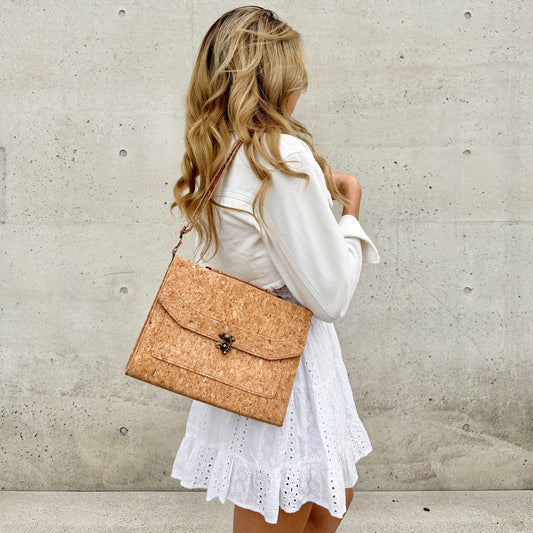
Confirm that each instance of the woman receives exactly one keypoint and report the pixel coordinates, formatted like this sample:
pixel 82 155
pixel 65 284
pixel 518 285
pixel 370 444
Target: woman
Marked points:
pixel 270 222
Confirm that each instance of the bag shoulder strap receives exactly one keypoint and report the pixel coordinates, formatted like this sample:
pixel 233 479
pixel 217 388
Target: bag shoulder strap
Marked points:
pixel 207 194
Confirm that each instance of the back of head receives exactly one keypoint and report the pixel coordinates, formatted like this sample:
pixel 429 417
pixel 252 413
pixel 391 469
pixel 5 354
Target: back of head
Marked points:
pixel 248 65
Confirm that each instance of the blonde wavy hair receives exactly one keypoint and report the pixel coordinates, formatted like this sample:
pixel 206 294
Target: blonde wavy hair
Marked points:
pixel 249 64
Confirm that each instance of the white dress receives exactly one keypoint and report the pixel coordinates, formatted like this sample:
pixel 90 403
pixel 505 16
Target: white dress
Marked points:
pixel 305 256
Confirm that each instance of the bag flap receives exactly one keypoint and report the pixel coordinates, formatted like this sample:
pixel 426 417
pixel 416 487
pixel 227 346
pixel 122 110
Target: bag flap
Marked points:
pixel 208 301
pixel 195 353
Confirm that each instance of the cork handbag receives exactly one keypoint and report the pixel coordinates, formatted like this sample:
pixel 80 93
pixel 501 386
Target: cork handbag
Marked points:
pixel 220 339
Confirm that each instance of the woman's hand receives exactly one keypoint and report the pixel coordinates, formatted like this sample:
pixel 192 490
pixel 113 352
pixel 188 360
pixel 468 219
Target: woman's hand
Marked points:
pixel 350 188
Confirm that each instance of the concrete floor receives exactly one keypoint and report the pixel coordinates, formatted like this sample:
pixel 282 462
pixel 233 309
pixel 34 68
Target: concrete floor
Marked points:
pixel 188 512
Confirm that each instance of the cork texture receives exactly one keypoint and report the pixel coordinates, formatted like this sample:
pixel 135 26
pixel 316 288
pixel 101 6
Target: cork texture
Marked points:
pixel 176 349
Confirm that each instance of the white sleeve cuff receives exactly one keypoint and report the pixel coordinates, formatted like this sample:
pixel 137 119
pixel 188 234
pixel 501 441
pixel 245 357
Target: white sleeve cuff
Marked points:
pixel 351 227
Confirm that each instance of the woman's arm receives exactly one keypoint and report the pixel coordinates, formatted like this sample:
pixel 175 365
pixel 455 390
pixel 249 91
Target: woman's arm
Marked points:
pixel 319 258
pixel 350 188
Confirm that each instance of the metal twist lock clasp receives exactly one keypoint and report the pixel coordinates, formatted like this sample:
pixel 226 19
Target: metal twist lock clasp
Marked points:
pixel 226 345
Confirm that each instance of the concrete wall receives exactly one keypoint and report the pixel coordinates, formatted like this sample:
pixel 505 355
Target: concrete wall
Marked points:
pixel 429 104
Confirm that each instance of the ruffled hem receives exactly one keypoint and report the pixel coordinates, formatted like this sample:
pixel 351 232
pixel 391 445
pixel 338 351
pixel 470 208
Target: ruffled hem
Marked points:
pixel 227 477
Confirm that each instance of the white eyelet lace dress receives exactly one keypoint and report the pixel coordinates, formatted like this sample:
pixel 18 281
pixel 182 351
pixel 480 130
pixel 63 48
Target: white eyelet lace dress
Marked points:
pixel 313 456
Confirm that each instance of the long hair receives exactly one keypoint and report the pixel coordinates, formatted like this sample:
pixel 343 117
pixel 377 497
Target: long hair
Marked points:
pixel 249 64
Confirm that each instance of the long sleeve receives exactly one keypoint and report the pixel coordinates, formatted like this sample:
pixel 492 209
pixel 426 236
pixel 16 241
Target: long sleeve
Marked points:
pixel 319 259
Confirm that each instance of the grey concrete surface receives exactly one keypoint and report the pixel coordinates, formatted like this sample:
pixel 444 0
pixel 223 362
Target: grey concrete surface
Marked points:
pixel 429 107
pixel 171 512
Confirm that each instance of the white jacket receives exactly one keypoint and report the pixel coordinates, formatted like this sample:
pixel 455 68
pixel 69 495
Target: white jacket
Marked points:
pixel 318 258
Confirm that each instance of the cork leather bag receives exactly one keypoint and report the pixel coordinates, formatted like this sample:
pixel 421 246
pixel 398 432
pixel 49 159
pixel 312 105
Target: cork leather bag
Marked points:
pixel 220 339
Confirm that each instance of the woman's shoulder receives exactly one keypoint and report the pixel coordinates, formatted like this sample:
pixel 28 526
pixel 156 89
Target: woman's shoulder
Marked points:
pixel 300 157
pixel 290 144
